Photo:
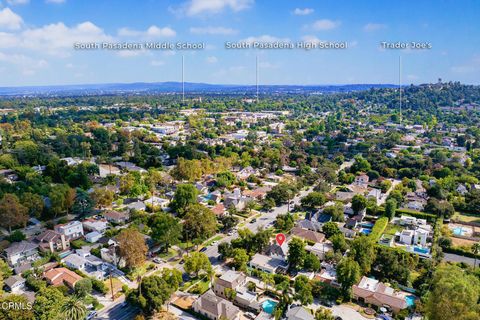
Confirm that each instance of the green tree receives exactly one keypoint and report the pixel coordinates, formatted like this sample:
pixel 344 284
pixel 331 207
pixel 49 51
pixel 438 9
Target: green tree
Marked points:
pixel 15 313
pixel 311 262
pixel 348 274
pixel 196 262
pixel 83 287
pixel 359 202
pixel 166 230
pixel 296 253
pixel 240 259
pixel 336 211
pixel 330 228
pixel 390 208
pixel 313 200
pixel 73 309
pixel 185 195
pixel 200 223
pixel 324 314
pixel 454 295
pixel 48 304
pixel 153 293
pixel 362 250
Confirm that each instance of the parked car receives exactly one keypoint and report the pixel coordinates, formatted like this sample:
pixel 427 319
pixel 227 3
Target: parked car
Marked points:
pixel 203 249
pixel 91 315
pixel 253 220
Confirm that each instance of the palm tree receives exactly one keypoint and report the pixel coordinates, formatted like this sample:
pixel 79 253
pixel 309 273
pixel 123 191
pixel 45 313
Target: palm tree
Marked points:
pixel 74 309
pixel 476 251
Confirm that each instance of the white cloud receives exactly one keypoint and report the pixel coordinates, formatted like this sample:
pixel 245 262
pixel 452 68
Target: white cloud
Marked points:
pixel 311 39
pixel 151 32
pixel 27 65
pixel 196 7
pixel 370 27
pixel 10 20
pixel 15 2
pixel 325 24
pixel 213 30
pixel 55 1
pixel 303 12
pixel 212 59
pixel 157 63
pixel 56 38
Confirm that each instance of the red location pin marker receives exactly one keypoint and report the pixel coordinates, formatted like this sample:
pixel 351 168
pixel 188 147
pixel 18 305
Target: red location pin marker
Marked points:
pixel 280 237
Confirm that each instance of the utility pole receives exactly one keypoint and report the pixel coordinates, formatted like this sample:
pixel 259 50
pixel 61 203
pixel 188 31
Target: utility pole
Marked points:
pixel 400 84
pixel 183 79
pixel 256 74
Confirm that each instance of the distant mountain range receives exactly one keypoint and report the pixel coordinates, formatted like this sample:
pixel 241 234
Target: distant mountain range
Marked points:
pixel 176 87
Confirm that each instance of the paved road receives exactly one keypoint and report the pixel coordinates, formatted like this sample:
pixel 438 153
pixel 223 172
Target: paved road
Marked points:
pixel 118 311
pixel 263 221
pixel 457 258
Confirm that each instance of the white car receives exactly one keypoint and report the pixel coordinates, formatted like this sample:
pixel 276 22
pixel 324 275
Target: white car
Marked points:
pixel 91 315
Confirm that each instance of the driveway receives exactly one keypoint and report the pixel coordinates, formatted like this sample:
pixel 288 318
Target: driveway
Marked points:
pixel 346 313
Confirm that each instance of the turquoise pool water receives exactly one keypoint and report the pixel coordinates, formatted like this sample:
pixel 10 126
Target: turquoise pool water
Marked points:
pixel 366 231
pixel 410 301
pixel 269 305
pixel 459 231
pixel 421 250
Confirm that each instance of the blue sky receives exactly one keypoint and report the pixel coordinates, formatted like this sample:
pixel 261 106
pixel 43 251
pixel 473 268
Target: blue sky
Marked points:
pixel 37 36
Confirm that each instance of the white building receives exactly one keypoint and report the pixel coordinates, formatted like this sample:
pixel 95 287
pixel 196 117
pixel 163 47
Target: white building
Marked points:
pixel 71 230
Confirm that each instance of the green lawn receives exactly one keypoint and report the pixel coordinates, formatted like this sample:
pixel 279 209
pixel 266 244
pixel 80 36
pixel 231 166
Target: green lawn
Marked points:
pixel 210 241
pixel 170 254
pixel 392 229
pixel 466 217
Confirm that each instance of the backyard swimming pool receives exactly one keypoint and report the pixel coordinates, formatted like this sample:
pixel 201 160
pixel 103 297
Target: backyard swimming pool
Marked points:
pixel 459 231
pixel 366 231
pixel 410 301
pixel 421 250
pixel 269 305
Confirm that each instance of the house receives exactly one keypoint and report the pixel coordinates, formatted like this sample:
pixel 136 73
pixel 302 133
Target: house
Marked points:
pixel 112 256
pixel 219 210
pixel 278 252
pixel 371 291
pixel 52 241
pixel 328 274
pixel 420 237
pixel 21 252
pixel 236 199
pixel 361 180
pixel 97 225
pixel 215 307
pixel 406 236
pixel 320 249
pixel 299 313
pixel 107 169
pixel 116 216
pixel 129 166
pixel 266 263
pixel 258 193
pixel 234 280
pixel 93 236
pixel 84 261
pixel 157 203
pixel 62 276
pixel 308 235
pixel 72 230
pixel 15 284
pixel 136 205
pixel 416 205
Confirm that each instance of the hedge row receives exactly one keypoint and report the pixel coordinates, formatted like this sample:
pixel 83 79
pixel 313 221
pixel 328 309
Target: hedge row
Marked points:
pixel 378 228
pixel 421 215
pixel 461 252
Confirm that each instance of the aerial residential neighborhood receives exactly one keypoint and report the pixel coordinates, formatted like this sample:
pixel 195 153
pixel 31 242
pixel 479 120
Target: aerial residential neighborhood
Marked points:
pixel 239 160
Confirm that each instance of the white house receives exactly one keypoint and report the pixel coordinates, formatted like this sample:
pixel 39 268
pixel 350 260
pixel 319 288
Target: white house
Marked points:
pixel 71 230
pixel 93 236
pixel 421 237
pixel 406 236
